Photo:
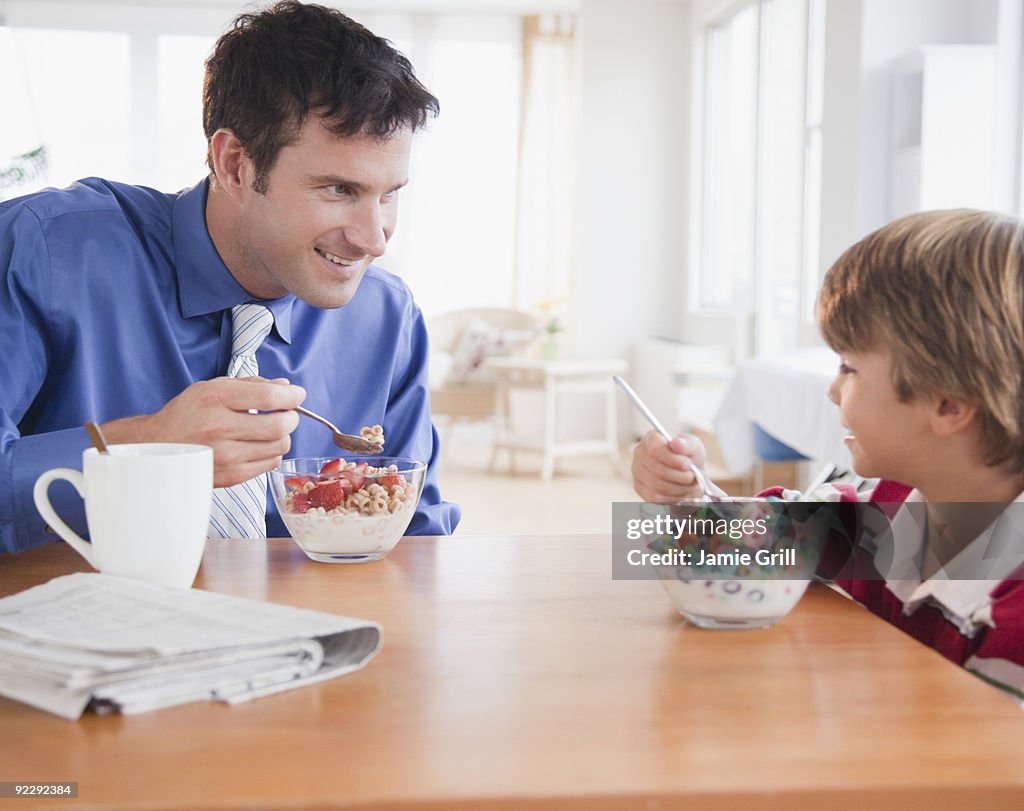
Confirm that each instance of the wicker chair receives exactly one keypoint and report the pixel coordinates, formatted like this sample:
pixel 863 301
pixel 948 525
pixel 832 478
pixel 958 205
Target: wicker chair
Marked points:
pixel 473 398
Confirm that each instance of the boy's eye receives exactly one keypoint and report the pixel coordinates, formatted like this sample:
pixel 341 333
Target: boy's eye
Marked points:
pixel 845 370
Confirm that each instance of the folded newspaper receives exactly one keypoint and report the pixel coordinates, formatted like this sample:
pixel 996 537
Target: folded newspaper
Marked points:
pixel 93 641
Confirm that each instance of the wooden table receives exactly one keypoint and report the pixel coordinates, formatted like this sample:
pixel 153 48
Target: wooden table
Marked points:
pixel 555 379
pixel 516 674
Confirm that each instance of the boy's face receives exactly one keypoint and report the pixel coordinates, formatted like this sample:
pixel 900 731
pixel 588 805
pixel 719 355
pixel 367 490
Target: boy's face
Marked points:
pixel 887 438
pixel 330 207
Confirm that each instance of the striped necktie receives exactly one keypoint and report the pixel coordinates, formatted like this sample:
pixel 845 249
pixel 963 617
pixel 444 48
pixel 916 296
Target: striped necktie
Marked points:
pixel 241 511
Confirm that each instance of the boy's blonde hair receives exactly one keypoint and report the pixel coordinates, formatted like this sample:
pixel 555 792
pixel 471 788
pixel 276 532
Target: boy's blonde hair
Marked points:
pixel 943 292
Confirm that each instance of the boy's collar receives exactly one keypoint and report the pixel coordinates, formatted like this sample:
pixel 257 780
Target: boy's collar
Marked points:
pixel 961 588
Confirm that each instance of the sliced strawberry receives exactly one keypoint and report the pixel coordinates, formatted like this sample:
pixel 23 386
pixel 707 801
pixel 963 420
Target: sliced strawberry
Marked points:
pixel 300 503
pixel 334 466
pixel 327 495
pixel 297 482
pixel 392 479
pixel 353 479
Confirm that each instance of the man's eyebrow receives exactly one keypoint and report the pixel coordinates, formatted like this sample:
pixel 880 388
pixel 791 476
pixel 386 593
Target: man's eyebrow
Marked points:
pixel 335 180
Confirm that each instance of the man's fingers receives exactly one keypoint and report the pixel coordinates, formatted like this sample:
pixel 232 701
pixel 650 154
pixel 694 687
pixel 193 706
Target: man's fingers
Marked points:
pixel 236 462
pixel 241 426
pixel 238 453
pixel 258 379
pixel 243 394
pixel 229 477
pixel 268 426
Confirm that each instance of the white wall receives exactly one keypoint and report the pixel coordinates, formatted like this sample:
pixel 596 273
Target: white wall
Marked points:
pixel 863 37
pixel 632 173
pixel 840 128
pixel 890 29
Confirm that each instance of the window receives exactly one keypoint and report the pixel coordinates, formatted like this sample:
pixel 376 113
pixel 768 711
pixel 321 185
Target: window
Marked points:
pixel 728 188
pixel 759 190
pixel 133 100
pixel 67 91
pixel 133 93
pixel 181 144
pixel 456 233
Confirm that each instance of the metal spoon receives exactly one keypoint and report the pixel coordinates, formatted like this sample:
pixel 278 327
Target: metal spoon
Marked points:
pixel 347 442
pixel 698 474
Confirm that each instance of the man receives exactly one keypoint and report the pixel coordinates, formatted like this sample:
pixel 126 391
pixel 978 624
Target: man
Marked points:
pixel 118 303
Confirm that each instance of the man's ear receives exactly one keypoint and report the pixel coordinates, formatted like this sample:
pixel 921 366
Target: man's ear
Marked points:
pixel 951 415
pixel 231 164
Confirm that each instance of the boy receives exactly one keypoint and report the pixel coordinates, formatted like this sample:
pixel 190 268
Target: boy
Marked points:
pixel 927 315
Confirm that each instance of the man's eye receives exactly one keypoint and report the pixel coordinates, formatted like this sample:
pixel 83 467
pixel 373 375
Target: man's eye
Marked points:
pixel 339 191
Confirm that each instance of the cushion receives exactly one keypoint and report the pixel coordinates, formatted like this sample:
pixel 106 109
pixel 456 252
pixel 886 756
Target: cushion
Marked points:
pixel 480 341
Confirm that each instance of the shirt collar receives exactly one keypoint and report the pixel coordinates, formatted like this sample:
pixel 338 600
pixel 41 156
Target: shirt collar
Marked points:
pixel 205 285
pixel 958 589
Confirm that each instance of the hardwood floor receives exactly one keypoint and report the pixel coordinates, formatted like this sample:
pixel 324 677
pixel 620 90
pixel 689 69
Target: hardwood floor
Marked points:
pixel 578 498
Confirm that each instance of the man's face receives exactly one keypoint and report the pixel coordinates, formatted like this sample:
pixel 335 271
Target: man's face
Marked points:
pixel 330 207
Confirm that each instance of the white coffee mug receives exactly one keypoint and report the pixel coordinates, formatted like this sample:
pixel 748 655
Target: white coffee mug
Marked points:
pixel 147 506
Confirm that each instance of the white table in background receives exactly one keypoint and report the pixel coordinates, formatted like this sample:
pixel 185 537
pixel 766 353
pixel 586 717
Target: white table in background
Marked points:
pixel 787 396
pixel 554 379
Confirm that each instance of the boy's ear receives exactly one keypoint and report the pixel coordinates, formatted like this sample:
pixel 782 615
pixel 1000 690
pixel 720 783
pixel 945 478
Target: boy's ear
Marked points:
pixel 951 415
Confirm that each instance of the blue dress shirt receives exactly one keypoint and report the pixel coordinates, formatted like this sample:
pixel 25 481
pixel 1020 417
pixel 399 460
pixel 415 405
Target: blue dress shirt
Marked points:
pixel 113 299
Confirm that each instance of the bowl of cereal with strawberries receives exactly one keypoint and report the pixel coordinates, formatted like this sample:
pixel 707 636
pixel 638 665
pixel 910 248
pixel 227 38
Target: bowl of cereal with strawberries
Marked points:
pixel 352 509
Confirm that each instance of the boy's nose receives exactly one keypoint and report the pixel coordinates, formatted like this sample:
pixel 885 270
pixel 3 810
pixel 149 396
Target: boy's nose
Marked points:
pixel 833 390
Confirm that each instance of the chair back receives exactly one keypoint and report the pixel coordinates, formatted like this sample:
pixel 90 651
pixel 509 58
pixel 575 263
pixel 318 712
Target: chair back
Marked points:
pixel 446 329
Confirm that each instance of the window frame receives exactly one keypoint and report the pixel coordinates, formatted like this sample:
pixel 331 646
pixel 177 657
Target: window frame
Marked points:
pixel 709 17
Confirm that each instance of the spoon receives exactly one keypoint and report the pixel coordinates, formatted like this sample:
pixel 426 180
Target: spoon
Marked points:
pixel 347 442
pixel 99 442
pixel 702 482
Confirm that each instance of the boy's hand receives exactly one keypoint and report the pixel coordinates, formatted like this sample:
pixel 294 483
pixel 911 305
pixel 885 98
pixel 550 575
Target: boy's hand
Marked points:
pixel 217 413
pixel 661 470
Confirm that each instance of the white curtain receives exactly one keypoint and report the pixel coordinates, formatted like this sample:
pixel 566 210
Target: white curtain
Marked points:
pixel 545 226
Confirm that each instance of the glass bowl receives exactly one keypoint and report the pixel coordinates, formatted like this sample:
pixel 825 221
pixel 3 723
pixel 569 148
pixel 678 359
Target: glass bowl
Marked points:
pixel 748 572
pixel 352 509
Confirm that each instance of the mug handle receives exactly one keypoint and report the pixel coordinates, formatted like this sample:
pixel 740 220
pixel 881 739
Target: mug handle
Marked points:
pixel 42 500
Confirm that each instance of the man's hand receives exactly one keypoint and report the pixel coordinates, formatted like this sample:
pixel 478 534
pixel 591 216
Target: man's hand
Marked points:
pixel 661 470
pixel 216 413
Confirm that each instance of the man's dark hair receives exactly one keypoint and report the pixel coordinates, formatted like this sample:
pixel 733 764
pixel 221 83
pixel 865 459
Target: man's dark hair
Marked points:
pixel 273 68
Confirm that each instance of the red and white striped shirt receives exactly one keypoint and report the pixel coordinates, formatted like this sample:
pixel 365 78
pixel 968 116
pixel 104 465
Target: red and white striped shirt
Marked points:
pixel 977 623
